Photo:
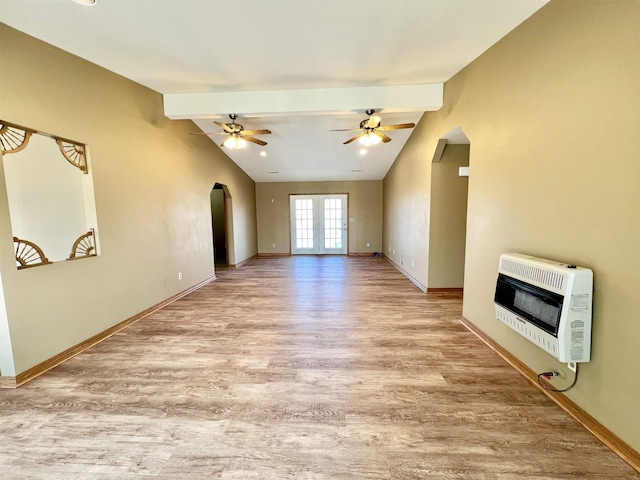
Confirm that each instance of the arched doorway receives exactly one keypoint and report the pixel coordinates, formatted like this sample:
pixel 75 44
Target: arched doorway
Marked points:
pixel 448 212
pixel 219 198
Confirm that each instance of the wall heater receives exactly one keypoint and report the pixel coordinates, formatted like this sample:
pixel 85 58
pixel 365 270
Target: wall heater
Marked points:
pixel 547 302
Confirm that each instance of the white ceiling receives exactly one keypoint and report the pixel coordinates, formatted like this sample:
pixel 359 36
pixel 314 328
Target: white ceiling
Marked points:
pixel 257 57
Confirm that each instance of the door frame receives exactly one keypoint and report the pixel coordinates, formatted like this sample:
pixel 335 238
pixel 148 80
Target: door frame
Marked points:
pixel 318 236
pixel 225 220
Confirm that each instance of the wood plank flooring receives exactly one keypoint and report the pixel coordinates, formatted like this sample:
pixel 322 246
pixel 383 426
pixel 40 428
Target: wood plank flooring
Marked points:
pixel 295 368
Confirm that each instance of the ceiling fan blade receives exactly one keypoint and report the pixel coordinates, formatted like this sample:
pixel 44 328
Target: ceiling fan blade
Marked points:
pixel 224 126
pixel 397 127
pixel 208 133
pixel 373 122
pixel 256 132
pixel 382 136
pixel 253 140
pixel 355 137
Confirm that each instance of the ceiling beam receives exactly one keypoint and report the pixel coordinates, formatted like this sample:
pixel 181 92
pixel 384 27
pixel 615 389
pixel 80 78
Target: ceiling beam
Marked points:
pixel 397 98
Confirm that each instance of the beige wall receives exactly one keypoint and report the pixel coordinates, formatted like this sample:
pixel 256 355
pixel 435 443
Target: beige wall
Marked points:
pixel 448 218
pixel 365 213
pixel 406 209
pixel 552 115
pixel 152 182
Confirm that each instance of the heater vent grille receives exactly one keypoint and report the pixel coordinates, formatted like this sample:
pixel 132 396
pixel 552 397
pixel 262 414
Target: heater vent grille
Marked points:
pixel 541 275
pixel 547 302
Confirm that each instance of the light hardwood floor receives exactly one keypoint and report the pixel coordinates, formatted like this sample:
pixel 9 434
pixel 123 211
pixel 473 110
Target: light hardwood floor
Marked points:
pixel 295 368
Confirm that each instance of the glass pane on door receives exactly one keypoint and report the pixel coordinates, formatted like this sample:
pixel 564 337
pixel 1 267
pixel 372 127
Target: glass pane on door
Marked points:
pixel 333 223
pixel 304 223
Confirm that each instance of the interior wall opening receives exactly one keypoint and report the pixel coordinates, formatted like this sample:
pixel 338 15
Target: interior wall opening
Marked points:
pixel 219 206
pixel 448 212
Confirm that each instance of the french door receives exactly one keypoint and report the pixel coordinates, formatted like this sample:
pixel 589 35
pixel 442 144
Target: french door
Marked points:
pixel 318 224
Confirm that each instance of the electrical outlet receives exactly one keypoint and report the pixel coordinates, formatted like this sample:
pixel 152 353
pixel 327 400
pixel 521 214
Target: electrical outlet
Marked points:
pixel 179 275
pixel 573 366
pixel 368 244
pixel 273 245
pixel 163 282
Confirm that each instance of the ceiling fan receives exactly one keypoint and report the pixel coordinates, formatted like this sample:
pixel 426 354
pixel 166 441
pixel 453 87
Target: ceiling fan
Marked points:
pixel 237 136
pixel 371 130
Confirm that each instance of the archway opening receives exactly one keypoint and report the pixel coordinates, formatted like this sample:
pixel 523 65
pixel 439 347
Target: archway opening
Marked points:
pixel 219 203
pixel 448 212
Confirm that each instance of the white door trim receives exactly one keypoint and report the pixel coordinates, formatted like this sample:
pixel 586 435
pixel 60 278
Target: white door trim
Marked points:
pixel 314 224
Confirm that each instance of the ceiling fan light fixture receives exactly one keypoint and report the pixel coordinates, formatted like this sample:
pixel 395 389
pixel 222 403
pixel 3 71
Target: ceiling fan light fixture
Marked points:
pixel 369 139
pixel 235 142
pixel 86 2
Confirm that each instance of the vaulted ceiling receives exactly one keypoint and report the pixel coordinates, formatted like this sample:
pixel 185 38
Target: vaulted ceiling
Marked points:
pixel 297 68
